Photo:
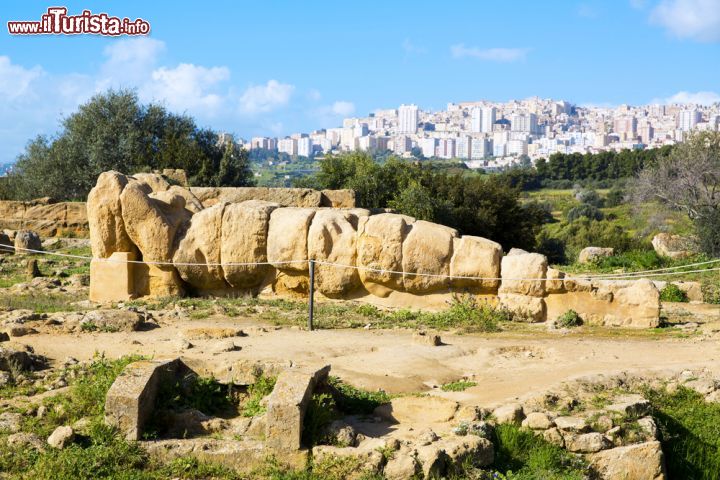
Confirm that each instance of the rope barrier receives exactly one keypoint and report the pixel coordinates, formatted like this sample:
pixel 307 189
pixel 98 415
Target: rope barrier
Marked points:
pixel 628 276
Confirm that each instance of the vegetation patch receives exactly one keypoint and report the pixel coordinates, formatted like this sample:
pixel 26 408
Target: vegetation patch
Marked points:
pixel 569 319
pixel 353 400
pixel 459 386
pixel 672 293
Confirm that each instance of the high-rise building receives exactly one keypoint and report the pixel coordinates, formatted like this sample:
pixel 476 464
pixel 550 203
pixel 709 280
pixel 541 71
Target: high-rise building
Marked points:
pixel 476 120
pixel 626 127
pixel 480 148
pixel 463 146
pixel 304 147
pixel 525 123
pixel 427 145
pixel 288 146
pixel 488 119
pixel 688 119
pixel 408 118
pixel 402 144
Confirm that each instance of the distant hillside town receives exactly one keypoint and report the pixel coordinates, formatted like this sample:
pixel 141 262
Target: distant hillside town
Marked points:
pixel 492 135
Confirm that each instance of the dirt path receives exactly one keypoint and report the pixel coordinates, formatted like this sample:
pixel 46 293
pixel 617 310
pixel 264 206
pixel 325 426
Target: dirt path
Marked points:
pixel 505 366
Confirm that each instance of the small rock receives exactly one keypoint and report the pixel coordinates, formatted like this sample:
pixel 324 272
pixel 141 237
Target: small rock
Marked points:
pixel 571 424
pixel 61 437
pixel 5 378
pixel 4 337
pixel 554 436
pixel 704 386
pixel 586 443
pixel 512 413
pixel 631 405
pixel 426 338
pixel 647 425
pixel 41 411
pixel 224 346
pixel 21 331
pixel 401 466
pixel 426 437
pixel 537 421
pixel 31 268
pixel 342 433
pixel 713 396
pixel 184 344
pixel 482 429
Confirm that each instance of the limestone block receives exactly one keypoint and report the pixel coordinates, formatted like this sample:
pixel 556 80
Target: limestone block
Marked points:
pixel 338 198
pixel 331 238
pixel 244 239
pixel 526 308
pixel 112 279
pixel 131 399
pixel 427 249
pixel 154 181
pixel 198 253
pixel 418 410
pixel 672 246
pixel 27 240
pixel 476 257
pixel 519 268
pixel 287 404
pixel 288 238
pixel 379 246
pixel 104 212
pixel 642 461
pixel 593 254
pixel 554 282
pixel 639 304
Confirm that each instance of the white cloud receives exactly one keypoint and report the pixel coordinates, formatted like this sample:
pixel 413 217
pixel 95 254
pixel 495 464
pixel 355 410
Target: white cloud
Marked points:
pixel 129 62
pixel 314 94
pixel 491 54
pixel 187 86
pixel 695 19
pixel 15 80
pixel 265 98
pixel 699 98
pixel 343 108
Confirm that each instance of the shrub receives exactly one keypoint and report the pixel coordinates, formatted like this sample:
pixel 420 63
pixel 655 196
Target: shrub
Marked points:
pixel 320 412
pixel 459 386
pixel 584 211
pixel 569 319
pixel 672 293
pixel 262 387
pixel 355 401
pixel 711 292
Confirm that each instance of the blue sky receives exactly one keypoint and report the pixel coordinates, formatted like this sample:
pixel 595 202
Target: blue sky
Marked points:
pixel 276 67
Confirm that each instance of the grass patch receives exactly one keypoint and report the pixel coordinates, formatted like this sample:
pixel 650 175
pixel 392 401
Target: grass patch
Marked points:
pixel 40 303
pixel 459 386
pixel 355 401
pixel 522 455
pixel 262 387
pixel 690 433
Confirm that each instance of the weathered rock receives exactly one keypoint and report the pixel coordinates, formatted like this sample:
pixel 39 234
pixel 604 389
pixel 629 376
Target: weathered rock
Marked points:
pixel 425 338
pixel 331 238
pixel 104 211
pixel 369 461
pixel 401 466
pixel 13 360
pixel 633 405
pixel 427 250
pixel 476 257
pixel 191 201
pixel 554 436
pixel 643 302
pixel 131 399
pixel 649 427
pixel 433 461
pixel 21 330
pixel 244 240
pixel 287 197
pixel 341 433
pixel 643 461
pixel 112 321
pixel 537 421
pixel 418 410
pixel 198 255
pixel 672 246
pixel 704 386
pixel 287 404
pixel 154 181
pixel 593 254
pixel 152 223
pixel 469 449
pixel 288 238
pixel 26 241
pixel 337 198
pixel 586 443
pixel 379 247
pixel 519 268
pixel 525 308
pixel 571 424
pixel 511 413
pixel 10 422
pixel 61 437
pixel 23 439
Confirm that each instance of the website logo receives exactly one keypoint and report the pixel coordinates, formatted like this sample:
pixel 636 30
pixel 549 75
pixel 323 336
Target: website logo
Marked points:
pixel 57 22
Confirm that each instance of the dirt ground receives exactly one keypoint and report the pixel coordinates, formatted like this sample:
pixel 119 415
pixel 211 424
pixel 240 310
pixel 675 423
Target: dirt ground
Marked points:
pixel 505 366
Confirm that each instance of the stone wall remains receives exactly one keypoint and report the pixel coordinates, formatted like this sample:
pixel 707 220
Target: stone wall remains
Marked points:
pixel 216 242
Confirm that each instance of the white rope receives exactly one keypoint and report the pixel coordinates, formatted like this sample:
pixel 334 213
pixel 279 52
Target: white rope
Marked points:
pixel 628 276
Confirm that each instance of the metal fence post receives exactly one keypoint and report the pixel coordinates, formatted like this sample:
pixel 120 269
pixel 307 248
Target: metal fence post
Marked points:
pixel 312 295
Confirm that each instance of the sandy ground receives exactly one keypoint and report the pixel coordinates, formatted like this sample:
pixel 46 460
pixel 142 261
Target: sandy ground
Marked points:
pixel 505 366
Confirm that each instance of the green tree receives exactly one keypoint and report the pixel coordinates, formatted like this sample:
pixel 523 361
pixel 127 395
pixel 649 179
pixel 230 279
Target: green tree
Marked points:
pixel 114 131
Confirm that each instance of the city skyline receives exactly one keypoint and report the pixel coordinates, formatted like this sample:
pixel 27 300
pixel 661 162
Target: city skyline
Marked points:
pixel 235 68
